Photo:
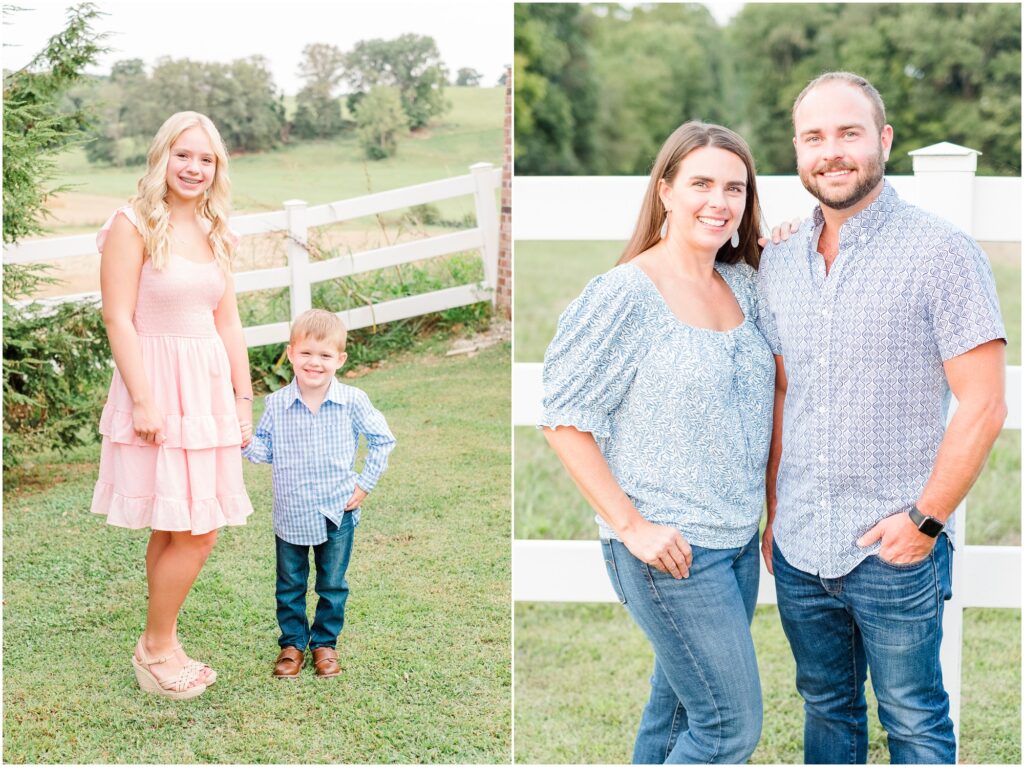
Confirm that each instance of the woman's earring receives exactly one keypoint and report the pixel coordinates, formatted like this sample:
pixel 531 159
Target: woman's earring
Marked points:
pixel 664 225
pixel 735 239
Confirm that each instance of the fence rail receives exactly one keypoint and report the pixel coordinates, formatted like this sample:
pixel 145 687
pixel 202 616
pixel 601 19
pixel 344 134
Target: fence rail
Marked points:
pixel 482 182
pixel 605 208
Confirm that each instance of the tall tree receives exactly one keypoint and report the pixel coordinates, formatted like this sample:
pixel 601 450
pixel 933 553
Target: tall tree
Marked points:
pixel 318 110
pixel 35 126
pixel 411 63
pixel 556 91
pixel 467 76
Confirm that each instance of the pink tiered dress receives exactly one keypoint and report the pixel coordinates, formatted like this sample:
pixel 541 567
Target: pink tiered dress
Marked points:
pixel 193 481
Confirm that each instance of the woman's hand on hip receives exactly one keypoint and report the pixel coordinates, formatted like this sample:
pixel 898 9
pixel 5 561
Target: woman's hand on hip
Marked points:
pixel 660 546
pixel 148 423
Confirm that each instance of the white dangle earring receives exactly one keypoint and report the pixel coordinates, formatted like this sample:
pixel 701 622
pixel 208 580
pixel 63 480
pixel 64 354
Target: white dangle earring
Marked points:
pixel 664 225
pixel 735 239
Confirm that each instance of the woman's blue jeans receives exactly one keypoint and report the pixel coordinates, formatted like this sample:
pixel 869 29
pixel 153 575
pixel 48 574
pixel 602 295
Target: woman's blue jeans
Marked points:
pixel 879 616
pixel 331 558
pixel 705 704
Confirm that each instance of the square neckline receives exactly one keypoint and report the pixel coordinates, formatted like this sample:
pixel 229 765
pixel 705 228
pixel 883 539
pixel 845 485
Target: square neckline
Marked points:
pixel 674 316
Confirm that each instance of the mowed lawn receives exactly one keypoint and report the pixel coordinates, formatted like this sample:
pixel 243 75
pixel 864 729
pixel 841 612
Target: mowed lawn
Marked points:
pixel 425 651
pixel 325 171
pixel 582 670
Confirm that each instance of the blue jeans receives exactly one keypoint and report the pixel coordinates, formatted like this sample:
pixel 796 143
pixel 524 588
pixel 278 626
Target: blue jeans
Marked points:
pixel 880 616
pixel 331 559
pixel 705 704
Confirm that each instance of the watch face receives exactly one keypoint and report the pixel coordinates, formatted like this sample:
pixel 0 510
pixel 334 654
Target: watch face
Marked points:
pixel 931 527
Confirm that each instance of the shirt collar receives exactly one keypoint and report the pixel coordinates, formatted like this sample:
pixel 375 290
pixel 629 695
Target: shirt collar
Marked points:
pixel 292 393
pixel 861 228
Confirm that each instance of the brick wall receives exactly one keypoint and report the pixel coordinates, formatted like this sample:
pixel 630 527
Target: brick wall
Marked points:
pixel 503 296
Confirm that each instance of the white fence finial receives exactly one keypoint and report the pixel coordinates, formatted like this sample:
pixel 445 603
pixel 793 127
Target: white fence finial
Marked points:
pixel 945 182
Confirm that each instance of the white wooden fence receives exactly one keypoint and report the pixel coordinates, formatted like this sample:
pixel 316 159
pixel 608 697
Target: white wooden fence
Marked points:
pixel 605 208
pixel 298 276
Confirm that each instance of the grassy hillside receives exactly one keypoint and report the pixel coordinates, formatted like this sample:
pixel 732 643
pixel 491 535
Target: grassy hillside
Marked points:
pixel 318 171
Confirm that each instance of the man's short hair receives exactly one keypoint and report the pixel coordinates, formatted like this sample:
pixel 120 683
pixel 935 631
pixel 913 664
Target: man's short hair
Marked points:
pixel 877 105
pixel 321 325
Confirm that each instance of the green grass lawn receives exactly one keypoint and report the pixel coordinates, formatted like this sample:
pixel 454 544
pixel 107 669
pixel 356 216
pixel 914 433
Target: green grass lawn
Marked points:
pixel 324 171
pixel 582 670
pixel 425 650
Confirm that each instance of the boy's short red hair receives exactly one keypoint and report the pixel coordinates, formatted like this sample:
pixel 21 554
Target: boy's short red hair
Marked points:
pixel 321 325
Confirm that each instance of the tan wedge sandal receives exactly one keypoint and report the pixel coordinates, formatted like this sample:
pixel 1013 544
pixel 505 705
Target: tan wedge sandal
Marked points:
pixel 198 665
pixel 180 687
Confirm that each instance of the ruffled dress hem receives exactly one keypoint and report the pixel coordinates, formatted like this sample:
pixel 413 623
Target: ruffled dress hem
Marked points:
pixel 199 516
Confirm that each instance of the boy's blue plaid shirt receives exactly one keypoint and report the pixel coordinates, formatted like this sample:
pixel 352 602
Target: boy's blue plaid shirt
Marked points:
pixel 313 457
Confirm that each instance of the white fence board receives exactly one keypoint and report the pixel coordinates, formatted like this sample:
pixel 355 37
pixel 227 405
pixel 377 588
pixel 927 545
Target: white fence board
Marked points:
pixel 606 207
pixel 574 571
pixel 392 255
pixel 296 219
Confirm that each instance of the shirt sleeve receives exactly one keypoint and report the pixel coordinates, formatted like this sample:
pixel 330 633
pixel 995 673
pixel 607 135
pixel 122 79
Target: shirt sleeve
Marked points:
pixel 962 301
pixel 764 317
pixel 261 449
pixel 590 364
pixel 369 422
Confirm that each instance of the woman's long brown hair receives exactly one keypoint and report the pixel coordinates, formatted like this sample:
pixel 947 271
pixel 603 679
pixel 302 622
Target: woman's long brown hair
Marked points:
pixel 684 139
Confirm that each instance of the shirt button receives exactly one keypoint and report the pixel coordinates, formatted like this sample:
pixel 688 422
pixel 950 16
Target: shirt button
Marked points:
pixel 823 503
pixel 821 409
pixel 821 459
pixel 863 238
pixel 821 360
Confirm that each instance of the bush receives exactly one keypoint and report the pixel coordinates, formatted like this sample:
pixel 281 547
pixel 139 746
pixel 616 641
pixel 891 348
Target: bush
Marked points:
pixel 56 370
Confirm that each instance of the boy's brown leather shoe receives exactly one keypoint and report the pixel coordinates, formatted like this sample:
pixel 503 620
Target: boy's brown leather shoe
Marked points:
pixel 325 661
pixel 289 663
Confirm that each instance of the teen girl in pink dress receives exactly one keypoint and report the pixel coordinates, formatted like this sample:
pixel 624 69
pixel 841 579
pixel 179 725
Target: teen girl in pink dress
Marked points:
pixel 180 402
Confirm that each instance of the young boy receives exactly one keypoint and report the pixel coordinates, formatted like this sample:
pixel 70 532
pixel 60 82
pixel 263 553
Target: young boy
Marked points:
pixel 309 432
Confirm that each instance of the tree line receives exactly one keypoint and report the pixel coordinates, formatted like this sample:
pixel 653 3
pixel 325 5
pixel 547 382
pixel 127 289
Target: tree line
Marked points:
pixel 599 87
pixel 391 87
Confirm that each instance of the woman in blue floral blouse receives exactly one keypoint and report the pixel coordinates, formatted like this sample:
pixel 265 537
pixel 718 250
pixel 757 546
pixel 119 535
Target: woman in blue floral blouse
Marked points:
pixel 658 399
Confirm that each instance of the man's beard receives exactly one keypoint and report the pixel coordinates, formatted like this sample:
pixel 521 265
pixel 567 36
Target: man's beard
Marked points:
pixel 873 173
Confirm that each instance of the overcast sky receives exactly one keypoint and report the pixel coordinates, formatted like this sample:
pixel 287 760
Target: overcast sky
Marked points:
pixel 468 33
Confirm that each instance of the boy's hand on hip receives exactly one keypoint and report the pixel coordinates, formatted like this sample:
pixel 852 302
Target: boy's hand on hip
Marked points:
pixel 358 496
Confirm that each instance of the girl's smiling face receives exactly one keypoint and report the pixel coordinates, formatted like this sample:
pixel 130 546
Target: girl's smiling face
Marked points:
pixel 191 166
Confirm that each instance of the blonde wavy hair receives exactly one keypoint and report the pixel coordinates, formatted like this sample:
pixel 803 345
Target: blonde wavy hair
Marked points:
pixel 150 204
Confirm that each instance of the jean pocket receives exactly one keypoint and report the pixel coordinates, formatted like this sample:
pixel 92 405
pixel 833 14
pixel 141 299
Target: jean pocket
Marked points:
pixel 613 571
pixel 904 565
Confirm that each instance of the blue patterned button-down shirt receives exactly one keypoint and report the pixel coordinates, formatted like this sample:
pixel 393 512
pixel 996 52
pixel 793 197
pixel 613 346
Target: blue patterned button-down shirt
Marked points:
pixel 863 347
pixel 314 456
pixel 681 414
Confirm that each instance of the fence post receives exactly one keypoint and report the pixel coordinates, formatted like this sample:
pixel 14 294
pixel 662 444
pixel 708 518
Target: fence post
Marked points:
pixel 298 257
pixel 945 182
pixel 487 220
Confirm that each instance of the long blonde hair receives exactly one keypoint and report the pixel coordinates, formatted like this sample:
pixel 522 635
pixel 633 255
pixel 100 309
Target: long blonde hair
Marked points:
pixel 684 139
pixel 150 203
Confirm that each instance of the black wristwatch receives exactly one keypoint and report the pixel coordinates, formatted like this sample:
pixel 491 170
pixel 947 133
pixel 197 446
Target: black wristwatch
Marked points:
pixel 930 526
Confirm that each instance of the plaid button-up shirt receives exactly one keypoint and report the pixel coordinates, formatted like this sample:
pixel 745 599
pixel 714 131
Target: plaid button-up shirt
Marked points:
pixel 863 348
pixel 314 455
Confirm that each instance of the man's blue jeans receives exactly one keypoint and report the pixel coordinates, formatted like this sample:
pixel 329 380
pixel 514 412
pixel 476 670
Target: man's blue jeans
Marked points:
pixel 880 616
pixel 705 704
pixel 331 558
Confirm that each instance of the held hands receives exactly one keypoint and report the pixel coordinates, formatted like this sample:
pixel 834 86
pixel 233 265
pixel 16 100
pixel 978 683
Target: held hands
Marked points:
pixel 659 546
pixel 358 496
pixel 902 542
pixel 243 407
pixel 766 547
pixel 148 424
pixel 782 232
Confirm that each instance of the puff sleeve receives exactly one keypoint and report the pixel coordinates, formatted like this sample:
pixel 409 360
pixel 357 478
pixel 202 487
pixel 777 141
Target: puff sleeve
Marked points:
pixel 590 364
